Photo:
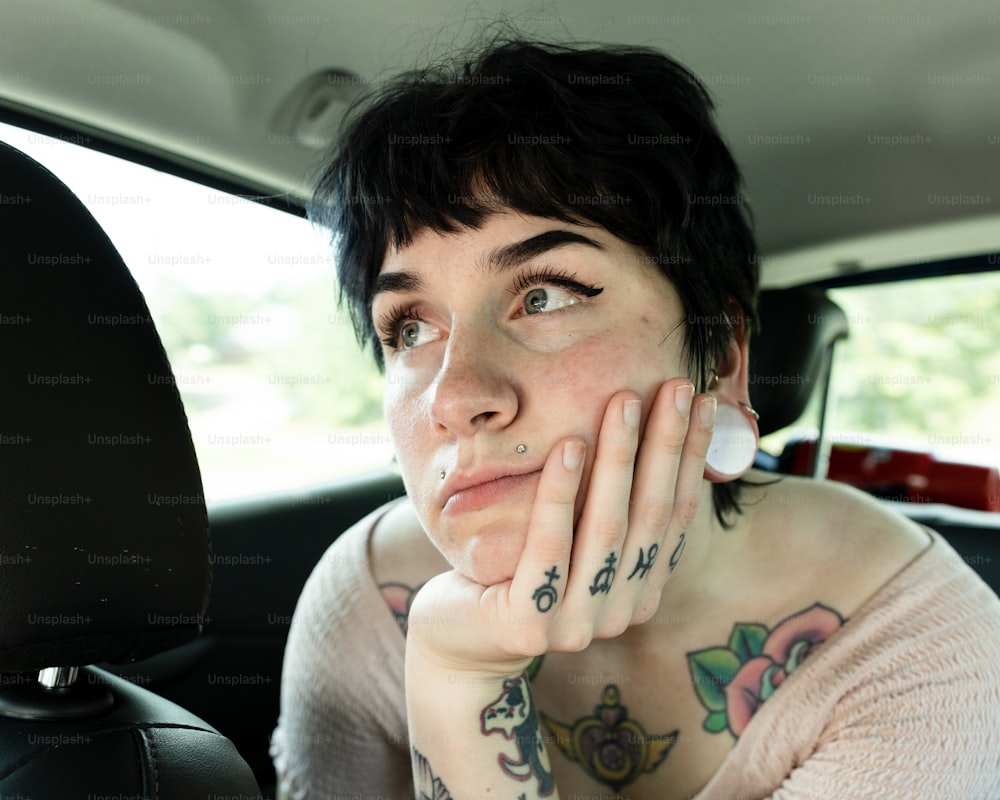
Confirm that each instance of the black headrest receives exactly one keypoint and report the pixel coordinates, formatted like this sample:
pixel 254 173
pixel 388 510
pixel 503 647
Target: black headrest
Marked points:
pixel 798 328
pixel 103 530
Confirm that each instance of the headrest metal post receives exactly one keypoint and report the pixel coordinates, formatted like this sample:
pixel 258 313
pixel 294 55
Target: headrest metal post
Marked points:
pixel 58 677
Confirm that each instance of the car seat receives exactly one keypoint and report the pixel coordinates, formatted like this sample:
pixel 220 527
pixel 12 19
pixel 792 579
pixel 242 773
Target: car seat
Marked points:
pixel 790 359
pixel 104 541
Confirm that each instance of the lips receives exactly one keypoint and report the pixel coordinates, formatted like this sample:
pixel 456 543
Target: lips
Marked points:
pixel 483 487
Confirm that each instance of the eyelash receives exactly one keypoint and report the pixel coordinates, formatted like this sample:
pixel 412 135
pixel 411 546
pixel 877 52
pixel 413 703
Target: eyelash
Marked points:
pixel 532 279
pixel 390 326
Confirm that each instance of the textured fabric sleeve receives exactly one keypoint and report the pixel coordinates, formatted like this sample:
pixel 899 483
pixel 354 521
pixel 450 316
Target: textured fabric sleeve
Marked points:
pixel 929 729
pixel 903 703
pixel 342 729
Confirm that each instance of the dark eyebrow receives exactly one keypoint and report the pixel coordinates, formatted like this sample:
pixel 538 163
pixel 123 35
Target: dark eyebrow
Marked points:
pixel 498 260
pixel 396 282
pixel 513 255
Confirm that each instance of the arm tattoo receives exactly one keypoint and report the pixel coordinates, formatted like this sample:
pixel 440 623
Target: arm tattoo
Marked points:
pixel 676 555
pixel 732 682
pixel 428 786
pixel 399 597
pixel 513 715
pixel 610 747
pixel 645 563
pixel 545 596
pixel 604 576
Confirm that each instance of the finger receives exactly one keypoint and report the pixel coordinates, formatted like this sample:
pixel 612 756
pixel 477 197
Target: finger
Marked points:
pixel 604 521
pixel 687 490
pixel 537 589
pixel 659 460
pixel 653 501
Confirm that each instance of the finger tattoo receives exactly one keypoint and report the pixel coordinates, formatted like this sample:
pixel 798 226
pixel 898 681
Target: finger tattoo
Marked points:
pixel 676 555
pixel 546 595
pixel 604 576
pixel 645 562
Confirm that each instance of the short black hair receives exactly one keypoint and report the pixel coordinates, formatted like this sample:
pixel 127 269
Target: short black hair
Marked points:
pixel 617 136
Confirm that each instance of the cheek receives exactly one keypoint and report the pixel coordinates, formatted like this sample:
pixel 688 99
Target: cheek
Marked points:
pixel 575 389
pixel 584 377
pixel 406 418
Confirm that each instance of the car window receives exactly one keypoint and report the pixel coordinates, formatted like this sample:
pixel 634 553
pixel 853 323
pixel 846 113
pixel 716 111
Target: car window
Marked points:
pixel 278 395
pixel 920 370
pixel 922 365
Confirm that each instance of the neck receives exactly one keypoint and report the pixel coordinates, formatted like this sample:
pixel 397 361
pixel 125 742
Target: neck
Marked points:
pixel 703 572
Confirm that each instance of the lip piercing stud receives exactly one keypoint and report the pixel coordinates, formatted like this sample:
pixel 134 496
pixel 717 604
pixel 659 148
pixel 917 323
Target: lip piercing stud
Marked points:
pixel 520 448
pixel 442 474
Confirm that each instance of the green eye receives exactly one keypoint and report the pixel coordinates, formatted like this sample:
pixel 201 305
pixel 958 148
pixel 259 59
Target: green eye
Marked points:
pixel 545 299
pixel 535 301
pixel 409 334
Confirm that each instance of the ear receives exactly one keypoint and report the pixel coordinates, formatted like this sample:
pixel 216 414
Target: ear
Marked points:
pixel 733 385
pixel 734 442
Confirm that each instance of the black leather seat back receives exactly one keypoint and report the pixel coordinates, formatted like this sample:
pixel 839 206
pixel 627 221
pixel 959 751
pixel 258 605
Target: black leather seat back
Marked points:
pixel 103 527
pixel 101 507
pixel 790 357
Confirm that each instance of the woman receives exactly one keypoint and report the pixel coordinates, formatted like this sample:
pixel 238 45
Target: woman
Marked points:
pixel 548 253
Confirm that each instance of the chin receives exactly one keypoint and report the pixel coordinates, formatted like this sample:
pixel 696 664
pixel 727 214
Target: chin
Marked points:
pixel 490 554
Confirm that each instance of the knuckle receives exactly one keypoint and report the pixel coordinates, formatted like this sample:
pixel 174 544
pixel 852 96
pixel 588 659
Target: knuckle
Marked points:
pixel 530 641
pixel 624 455
pixel 577 644
pixel 614 625
pixel 645 611
pixel 669 436
pixel 685 509
pixel 556 495
pixel 575 638
pixel 610 530
pixel 552 550
pixel 655 514
pixel 671 443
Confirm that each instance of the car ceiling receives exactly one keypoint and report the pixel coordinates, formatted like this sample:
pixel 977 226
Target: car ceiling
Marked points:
pixel 810 97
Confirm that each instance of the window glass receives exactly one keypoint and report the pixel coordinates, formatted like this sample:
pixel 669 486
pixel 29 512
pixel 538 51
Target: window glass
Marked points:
pixel 919 371
pixel 277 393
pixel 922 366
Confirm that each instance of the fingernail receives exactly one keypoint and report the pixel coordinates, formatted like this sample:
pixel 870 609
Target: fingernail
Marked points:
pixel 706 412
pixel 573 455
pixel 682 399
pixel 631 411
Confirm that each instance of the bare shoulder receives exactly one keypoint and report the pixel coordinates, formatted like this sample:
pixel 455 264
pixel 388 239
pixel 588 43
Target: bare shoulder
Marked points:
pixel 402 559
pixel 833 537
pixel 401 552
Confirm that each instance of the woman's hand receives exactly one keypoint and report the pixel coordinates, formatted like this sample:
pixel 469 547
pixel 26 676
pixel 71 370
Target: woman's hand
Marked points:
pixel 592 580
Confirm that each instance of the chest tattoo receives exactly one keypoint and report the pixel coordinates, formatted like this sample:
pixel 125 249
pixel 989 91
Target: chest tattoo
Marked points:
pixel 610 747
pixel 732 681
pixel 399 597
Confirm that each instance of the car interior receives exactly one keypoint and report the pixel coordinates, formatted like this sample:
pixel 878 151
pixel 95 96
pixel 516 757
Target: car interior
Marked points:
pixel 144 614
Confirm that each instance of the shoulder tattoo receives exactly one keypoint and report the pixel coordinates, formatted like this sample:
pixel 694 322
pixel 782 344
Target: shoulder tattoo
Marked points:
pixel 399 597
pixel 732 681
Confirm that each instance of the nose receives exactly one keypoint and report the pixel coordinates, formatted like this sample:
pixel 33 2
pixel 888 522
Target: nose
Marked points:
pixel 474 390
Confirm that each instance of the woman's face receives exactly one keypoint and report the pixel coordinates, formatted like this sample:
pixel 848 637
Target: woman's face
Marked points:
pixel 514 334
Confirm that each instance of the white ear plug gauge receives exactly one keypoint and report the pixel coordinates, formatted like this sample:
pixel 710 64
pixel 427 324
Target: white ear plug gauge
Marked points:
pixel 734 444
